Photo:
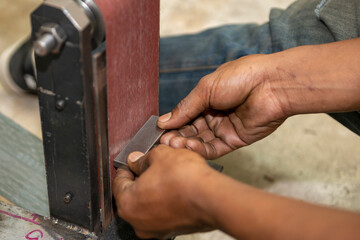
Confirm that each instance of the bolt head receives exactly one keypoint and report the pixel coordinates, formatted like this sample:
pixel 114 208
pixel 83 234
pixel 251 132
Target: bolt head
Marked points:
pixel 45 44
pixel 67 198
pixel 58 38
pixel 60 104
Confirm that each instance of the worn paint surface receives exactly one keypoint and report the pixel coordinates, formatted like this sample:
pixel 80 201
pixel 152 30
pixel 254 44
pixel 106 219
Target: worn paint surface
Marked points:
pixel 16 223
pixel 132 33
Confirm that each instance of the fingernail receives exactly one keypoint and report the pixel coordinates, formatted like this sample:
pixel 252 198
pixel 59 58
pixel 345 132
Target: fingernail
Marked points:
pixel 165 117
pixel 134 156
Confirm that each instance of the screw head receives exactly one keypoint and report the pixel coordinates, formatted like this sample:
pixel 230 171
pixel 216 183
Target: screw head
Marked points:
pixel 60 104
pixel 67 198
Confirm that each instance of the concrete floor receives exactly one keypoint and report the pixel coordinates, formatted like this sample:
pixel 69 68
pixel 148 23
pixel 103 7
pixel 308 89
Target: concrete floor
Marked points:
pixel 310 157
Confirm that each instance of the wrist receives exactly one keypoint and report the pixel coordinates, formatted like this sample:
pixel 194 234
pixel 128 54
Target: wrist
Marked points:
pixel 294 81
pixel 316 79
pixel 279 79
pixel 269 83
pixel 202 191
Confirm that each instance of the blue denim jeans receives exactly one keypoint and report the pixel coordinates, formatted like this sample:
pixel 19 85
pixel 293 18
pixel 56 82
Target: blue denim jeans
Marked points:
pixel 185 59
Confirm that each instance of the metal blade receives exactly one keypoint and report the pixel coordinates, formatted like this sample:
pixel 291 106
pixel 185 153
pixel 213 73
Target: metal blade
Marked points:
pixel 143 141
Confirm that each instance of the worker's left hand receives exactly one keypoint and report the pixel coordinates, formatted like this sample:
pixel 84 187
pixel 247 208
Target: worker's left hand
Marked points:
pixel 230 108
pixel 161 199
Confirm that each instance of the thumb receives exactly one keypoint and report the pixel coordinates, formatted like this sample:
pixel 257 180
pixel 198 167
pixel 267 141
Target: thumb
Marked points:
pixel 187 110
pixel 123 179
pixel 138 162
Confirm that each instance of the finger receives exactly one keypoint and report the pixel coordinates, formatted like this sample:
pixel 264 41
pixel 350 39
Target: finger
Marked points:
pixel 206 136
pixel 217 148
pixel 187 110
pixel 159 153
pixel 123 179
pixel 197 145
pixel 223 128
pixel 187 131
pixel 165 139
pixel 178 142
pixel 138 162
pixel 209 150
pixel 199 125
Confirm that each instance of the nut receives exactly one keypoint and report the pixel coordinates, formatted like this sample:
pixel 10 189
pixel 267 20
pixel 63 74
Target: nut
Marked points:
pixel 50 38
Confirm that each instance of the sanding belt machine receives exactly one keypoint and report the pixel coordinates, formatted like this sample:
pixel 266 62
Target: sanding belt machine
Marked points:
pixel 97 72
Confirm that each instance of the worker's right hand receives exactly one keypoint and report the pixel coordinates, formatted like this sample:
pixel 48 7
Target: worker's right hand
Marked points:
pixel 228 109
pixel 166 192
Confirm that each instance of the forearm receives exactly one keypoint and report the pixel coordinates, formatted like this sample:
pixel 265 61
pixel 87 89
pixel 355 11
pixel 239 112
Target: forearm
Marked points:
pixel 247 213
pixel 319 78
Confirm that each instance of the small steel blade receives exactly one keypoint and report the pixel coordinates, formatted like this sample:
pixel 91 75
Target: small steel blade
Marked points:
pixel 143 141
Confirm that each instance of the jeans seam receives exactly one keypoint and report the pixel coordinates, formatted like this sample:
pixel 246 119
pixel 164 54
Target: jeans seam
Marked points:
pixel 319 7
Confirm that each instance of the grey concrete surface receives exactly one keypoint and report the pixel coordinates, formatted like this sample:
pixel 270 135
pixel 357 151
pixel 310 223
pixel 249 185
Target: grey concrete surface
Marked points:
pixel 189 16
pixel 310 157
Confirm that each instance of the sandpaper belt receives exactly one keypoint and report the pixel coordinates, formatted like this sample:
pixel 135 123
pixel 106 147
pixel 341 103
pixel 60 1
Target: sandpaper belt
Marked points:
pixel 132 46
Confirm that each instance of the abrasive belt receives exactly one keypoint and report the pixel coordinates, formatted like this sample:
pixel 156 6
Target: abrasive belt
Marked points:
pixel 132 46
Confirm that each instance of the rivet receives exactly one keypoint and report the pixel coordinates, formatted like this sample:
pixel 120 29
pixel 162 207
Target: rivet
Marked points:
pixel 67 198
pixel 60 104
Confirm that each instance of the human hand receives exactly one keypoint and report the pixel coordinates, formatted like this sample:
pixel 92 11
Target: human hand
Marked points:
pixel 163 198
pixel 228 109
pixel 176 192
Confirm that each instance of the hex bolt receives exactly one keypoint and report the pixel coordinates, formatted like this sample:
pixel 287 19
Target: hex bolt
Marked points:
pixel 50 38
pixel 45 44
pixel 60 104
pixel 67 198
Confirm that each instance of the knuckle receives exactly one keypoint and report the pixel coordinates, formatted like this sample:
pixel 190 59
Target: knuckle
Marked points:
pixel 184 152
pixel 181 105
pixel 184 105
pixel 142 166
pixel 159 151
pixel 142 234
pixel 176 142
pixel 160 148
pixel 205 80
pixel 118 197
pixel 153 154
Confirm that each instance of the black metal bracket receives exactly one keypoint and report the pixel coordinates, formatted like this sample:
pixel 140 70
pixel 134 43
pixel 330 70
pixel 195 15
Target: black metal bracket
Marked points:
pixel 71 73
pixel 67 108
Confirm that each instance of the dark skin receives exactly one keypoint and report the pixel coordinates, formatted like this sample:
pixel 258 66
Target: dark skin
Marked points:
pixel 172 191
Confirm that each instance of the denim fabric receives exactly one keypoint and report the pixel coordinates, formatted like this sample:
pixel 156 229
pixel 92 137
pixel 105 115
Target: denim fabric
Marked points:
pixel 308 22
pixel 184 60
